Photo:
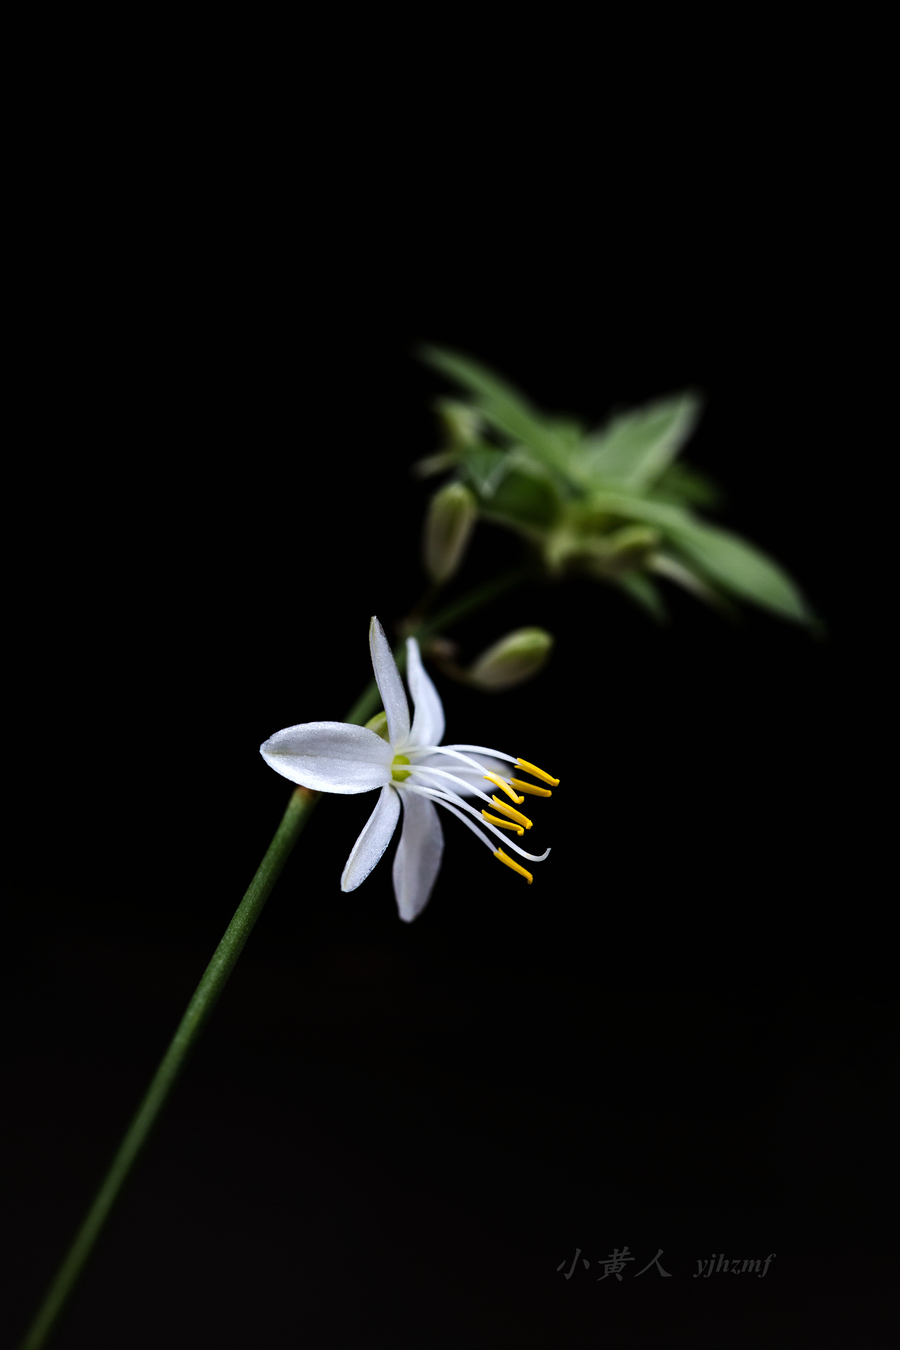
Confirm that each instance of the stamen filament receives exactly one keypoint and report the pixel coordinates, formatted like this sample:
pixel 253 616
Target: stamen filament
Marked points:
pixel 454 752
pixel 538 773
pixel 479 750
pixel 501 783
pixel 454 778
pixel 498 853
pixel 432 795
pixel 512 813
pixel 530 787
pixel 442 798
pixel 504 824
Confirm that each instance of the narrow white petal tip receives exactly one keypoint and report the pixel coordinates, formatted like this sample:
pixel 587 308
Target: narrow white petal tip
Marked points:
pixel 390 685
pixel 428 713
pixel 375 837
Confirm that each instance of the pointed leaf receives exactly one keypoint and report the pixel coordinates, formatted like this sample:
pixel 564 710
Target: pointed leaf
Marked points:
pixel 680 483
pixel 526 494
pixel 731 561
pixel 484 466
pixel 500 404
pixel 673 569
pixel 724 558
pixel 644 592
pixel 637 446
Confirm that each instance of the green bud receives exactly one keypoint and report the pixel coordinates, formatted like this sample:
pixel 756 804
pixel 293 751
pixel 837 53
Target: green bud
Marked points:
pixel 629 548
pixel 443 461
pixel 379 725
pixel 461 422
pixel 448 528
pixel 512 660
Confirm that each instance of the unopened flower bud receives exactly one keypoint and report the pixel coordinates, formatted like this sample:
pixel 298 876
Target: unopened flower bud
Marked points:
pixel 629 548
pixel 379 725
pixel 461 422
pixel 512 660
pixel 448 528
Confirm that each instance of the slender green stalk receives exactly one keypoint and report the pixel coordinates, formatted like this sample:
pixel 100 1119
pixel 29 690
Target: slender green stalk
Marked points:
pixel 473 599
pixel 211 985
pixel 369 700
pixel 201 1005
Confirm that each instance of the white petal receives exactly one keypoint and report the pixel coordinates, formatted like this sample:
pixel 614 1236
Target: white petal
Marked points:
pixel 428 712
pixel 474 778
pixel 330 756
pixel 418 857
pixel 374 839
pixel 390 685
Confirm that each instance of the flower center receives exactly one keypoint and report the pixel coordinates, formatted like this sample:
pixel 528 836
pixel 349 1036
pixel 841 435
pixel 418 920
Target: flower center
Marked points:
pixel 398 775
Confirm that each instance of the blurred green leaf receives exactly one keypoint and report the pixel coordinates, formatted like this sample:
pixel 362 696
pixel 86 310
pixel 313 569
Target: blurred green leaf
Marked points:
pixel 569 430
pixel 501 404
pixel 635 447
pixel 526 497
pixel 743 569
pixel 484 467
pixel 723 557
pixel 681 483
pixel 673 569
pixel 644 592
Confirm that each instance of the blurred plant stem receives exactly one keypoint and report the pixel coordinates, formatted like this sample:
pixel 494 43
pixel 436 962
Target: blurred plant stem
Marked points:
pixel 216 975
pixel 417 626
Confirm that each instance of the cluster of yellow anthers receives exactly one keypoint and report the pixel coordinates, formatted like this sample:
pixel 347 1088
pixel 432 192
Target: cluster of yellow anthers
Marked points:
pixel 516 820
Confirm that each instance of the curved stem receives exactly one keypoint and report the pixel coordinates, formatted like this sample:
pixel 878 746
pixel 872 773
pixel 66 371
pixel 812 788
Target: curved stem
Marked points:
pixel 201 1005
pixel 369 700
pixel 473 599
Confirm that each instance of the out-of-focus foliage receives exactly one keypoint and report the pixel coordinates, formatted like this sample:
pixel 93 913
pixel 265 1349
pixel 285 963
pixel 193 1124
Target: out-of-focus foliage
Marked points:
pixel 614 503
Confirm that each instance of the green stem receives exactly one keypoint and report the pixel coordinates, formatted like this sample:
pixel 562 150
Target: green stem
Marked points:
pixel 473 599
pixel 369 700
pixel 213 982
pixel 201 1005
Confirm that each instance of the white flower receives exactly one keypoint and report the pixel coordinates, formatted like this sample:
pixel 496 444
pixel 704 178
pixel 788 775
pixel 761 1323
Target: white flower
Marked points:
pixel 412 767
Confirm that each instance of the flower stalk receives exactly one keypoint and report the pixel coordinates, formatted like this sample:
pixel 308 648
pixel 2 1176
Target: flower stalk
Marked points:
pixel 205 997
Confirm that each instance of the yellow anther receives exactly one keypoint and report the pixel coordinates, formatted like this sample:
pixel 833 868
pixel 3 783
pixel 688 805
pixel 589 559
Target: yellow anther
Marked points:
pixel 514 865
pixel 511 812
pixel 499 782
pixel 529 787
pixel 504 824
pixel 538 773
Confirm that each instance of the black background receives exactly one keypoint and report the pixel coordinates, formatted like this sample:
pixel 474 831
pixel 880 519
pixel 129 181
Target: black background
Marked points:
pixel 680 1036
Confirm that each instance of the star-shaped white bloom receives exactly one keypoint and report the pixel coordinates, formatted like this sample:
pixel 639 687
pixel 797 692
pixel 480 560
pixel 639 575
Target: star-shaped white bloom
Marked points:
pixel 411 767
